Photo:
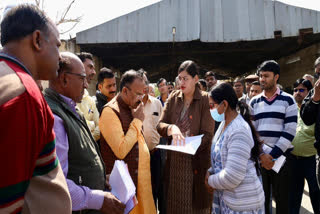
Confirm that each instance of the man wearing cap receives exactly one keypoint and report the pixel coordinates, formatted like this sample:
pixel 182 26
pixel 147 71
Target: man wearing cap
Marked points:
pixel 248 83
pixel 310 109
pixel 275 118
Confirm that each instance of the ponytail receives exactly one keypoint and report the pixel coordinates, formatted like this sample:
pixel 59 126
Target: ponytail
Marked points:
pixel 224 91
pixel 243 109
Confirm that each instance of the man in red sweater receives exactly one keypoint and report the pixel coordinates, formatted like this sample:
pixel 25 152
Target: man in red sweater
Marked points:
pixel 31 178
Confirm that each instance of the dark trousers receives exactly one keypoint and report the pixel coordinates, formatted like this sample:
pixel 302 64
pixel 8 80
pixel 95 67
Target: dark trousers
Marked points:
pixel 304 168
pixel 318 170
pixel 155 163
pixel 278 185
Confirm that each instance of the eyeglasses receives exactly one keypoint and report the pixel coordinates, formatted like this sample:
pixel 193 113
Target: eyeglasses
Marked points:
pixel 299 89
pixel 183 78
pixel 139 96
pixel 82 76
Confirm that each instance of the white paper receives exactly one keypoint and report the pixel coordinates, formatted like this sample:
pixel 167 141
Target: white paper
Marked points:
pixel 191 146
pixel 280 160
pixel 279 163
pixel 122 185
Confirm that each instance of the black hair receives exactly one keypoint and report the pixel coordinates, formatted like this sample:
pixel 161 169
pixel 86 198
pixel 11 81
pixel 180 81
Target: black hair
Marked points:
pixel 269 65
pixel 64 64
pixel 256 83
pixel 304 82
pixel 105 73
pixel 239 79
pixel 144 74
pixel 317 62
pixel 170 83
pixel 160 81
pixel 190 67
pixel 224 91
pixel 84 55
pixel 22 21
pixel 210 73
pixel 203 83
pixel 128 77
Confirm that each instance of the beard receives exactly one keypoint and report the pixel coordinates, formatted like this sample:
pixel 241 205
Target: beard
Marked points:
pixel 267 87
pixel 298 99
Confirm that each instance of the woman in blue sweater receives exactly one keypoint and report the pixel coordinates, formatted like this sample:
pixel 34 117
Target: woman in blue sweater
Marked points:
pixel 233 177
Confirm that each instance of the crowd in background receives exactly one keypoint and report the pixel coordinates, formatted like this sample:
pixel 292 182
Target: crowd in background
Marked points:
pixel 59 145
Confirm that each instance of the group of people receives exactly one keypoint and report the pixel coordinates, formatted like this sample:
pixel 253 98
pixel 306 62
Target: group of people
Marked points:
pixel 58 147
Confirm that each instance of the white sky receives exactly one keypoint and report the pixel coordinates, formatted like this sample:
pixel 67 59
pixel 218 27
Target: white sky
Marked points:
pixel 95 12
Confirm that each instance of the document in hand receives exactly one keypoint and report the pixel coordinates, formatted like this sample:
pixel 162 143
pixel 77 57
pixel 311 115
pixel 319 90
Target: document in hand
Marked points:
pixel 280 160
pixel 191 146
pixel 122 185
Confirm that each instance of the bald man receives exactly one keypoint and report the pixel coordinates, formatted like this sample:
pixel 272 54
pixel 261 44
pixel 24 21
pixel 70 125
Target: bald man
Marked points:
pixel 77 150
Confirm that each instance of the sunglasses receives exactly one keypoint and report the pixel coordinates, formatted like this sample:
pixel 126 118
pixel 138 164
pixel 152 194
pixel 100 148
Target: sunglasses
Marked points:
pixel 300 90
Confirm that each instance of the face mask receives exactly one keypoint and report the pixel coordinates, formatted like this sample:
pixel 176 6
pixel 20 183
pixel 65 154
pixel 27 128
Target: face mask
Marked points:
pixel 216 116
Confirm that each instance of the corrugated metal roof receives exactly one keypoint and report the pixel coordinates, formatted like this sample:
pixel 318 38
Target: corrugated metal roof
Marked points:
pixel 204 20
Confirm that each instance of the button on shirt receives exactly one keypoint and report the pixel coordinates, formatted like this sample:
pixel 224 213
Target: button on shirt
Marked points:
pixel 152 112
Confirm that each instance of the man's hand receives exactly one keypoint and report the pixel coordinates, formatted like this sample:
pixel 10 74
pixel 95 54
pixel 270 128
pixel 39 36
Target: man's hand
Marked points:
pixel 316 95
pixel 138 112
pixel 209 188
pixel 112 205
pixel 266 161
pixel 107 182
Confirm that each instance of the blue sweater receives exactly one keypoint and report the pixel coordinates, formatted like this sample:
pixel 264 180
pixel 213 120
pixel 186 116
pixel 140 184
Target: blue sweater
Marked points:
pixel 276 121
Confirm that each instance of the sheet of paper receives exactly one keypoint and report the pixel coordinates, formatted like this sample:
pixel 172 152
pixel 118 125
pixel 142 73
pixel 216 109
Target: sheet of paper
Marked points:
pixel 191 146
pixel 122 185
pixel 279 162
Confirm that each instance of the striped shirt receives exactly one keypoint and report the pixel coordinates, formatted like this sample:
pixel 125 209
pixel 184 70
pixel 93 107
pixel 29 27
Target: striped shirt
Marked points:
pixel 276 121
pixel 242 189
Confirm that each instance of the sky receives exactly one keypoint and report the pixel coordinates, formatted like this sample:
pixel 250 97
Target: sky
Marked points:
pixel 95 12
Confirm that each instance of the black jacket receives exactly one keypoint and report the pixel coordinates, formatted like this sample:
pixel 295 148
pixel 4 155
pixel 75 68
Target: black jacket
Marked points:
pixel 310 114
pixel 101 101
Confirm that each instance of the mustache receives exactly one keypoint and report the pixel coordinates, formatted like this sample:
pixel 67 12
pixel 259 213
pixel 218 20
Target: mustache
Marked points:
pixel 112 92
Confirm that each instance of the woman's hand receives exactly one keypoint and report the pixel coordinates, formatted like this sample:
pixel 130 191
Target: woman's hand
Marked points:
pixel 209 188
pixel 177 136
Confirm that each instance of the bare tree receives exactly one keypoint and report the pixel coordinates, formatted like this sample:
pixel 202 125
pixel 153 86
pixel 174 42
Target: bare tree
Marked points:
pixel 63 17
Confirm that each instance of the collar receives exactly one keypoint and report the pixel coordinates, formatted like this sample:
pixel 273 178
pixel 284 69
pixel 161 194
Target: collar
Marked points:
pixel 69 102
pixel 149 99
pixel 14 60
pixel 274 95
pixel 122 103
pixel 101 96
pixel 196 95
pixel 86 93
